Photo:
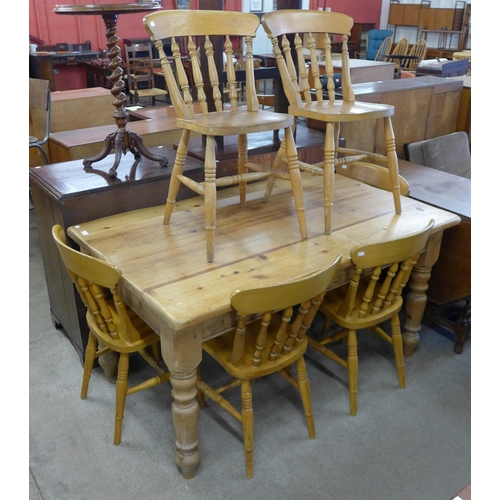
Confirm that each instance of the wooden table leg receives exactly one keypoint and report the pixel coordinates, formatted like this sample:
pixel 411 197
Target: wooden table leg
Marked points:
pixel 182 355
pixel 416 298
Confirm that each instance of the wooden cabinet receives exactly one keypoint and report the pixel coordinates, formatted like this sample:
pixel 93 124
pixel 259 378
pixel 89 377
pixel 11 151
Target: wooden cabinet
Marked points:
pixel 66 194
pixel 425 107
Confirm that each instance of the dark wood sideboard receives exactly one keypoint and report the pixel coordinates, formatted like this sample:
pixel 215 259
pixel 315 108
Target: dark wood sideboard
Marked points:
pixel 65 194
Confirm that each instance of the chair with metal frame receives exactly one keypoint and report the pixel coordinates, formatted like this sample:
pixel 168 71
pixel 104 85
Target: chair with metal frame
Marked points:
pixel 39 110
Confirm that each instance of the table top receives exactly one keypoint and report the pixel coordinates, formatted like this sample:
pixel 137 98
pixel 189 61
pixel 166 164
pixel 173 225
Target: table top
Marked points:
pixel 438 188
pixel 112 8
pixel 167 280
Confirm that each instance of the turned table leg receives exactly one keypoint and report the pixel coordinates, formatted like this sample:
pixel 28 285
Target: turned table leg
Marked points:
pixel 181 352
pixel 416 298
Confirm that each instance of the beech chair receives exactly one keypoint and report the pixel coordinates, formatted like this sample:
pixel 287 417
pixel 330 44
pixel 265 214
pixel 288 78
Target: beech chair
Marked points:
pixel 401 49
pixel 305 26
pixel 419 48
pixel 271 344
pixel 141 73
pixel 373 296
pixel 384 48
pixel 111 323
pixel 240 119
pixel 39 110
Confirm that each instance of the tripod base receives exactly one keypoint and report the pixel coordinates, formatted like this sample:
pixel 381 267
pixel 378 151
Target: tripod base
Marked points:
pixel 121 141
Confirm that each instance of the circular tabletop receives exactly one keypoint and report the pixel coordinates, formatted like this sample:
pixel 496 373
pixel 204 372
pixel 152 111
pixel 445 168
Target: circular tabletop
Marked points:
pixel 111 8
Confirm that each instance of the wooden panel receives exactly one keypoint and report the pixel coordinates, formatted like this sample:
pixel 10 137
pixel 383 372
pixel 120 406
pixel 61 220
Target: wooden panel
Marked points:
pixel 77 109
pixel 396 13
pixel 444 18
pixel 409 120
pixel 443 113
pixel 411 15
pixel 428 19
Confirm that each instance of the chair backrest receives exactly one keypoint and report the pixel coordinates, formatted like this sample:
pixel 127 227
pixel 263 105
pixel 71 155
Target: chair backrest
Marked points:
pixel 385 48
pixel 209 29
pixel 419 48
pixel 375 40
pixel 140 65
pixel 312 34
pixel 449 153
pixel 384 288
pixel 39 108
pixel 373 175
pixel 401 47
pixel 96 282
pixel 279 330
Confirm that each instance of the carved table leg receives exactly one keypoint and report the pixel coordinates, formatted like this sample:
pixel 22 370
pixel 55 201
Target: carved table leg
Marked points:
pixel 182 355
pixel 122 139
pixel 416 298
pixel 185 415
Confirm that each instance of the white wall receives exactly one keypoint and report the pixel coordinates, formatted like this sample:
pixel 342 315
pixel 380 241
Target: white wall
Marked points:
pixel 262 44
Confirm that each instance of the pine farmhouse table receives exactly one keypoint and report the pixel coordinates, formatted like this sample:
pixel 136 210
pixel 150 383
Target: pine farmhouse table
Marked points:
pixel 168 282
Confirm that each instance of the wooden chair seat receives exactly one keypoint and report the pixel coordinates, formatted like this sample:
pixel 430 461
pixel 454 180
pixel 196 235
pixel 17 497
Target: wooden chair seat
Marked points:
pixel 113 326
pixel 340 111
pixel 293 32
pixel 214 32
pixel 269 338
pixel 224 123
pixel 373 296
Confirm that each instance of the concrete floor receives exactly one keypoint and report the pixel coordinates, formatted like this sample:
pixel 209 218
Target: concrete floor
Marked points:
pixel 404 444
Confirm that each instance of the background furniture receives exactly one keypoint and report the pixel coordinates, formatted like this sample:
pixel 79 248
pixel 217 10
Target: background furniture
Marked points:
pixel 113 326
pixel 385 48
pixel 141 73
pixel 372 297
pixel 263 241
pixel 424 108
pixel 449 289
pixel 213 121
pixel 122 139
pixel 270 345
pixel 296 82
pixel 449 153
pixel 65 194
pixel 375 40
pixel 39 111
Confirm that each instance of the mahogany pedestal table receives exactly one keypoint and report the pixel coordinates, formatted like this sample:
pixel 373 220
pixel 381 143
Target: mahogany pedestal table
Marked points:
pixel 167 280
pixel 122 139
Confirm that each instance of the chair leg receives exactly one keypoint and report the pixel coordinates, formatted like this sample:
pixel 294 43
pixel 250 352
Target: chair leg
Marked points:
pixel 121 395
pixel 278 160
pixel 90 351
pixel 242 160
pixel 305 392
pixel 392 162
pixel 397 345
pixel 352 369
pixel 173 189
pixel 329 156
pixel 247 422
pixel 210 196
pixel 295 180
